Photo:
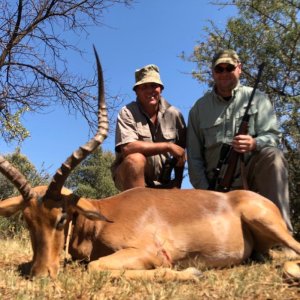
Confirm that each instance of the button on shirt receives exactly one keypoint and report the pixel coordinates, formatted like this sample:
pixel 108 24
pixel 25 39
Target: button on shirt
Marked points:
pixel 214 121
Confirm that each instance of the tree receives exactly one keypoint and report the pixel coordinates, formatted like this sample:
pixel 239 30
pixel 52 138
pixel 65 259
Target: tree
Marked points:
pixel 92 178
pixel 9 227
pixel 21 162
pixel 33 64
pixel 264 31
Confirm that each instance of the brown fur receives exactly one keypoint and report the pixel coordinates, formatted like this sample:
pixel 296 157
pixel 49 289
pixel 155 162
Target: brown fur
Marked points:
pixel 142 229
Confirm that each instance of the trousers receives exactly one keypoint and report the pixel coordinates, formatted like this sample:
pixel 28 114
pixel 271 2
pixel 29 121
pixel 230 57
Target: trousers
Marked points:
pixel 266 173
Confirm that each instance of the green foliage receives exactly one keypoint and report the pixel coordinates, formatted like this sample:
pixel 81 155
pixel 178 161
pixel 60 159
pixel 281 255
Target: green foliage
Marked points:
pixel 11 128
pixel 13 225
pixel 93 178
pixel 21 162
pixel 264 31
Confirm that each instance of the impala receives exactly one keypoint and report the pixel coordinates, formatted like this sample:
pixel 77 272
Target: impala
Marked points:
pixel 143 232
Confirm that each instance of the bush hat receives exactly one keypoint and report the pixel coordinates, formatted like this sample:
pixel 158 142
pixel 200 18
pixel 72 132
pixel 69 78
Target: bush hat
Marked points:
pixel 147 74
pixel 226 57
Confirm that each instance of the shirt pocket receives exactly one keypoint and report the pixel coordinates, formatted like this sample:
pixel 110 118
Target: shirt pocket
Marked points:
pixel 144 133
pixel 213 134
pixel 252 116
pixel 170 135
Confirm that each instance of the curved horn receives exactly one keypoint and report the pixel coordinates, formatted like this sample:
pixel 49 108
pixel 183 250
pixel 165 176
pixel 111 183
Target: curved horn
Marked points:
pixel 16 177
pixel 82 152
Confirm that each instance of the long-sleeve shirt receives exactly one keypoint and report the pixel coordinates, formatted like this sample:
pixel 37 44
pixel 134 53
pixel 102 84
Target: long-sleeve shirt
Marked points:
pixel 214 121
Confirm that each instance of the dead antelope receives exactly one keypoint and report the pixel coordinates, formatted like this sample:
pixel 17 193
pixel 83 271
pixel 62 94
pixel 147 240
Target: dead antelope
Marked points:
pixel 143 229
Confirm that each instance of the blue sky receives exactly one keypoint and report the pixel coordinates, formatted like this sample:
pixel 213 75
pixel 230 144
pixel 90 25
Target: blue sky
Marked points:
pixel 150 32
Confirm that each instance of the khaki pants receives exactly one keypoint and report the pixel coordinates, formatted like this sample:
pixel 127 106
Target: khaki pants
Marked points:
pixel 267 174
pixel 124 169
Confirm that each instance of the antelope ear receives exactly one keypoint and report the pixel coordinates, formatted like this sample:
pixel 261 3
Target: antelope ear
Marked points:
pixel 10 206
pixel 85 207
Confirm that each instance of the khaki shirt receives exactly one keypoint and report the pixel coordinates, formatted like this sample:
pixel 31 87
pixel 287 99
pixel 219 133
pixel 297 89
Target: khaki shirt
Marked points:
pixel 214 121
pixel 133 124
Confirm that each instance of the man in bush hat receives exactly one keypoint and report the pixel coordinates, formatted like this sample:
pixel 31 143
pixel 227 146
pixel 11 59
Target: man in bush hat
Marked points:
pixel 150 137
pixel 215 119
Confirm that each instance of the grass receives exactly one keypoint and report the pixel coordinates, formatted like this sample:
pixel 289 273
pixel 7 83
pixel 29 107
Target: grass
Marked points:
pixel 249 281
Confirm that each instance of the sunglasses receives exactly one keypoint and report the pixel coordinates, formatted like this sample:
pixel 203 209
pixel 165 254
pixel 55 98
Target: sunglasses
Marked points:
pixel 229 69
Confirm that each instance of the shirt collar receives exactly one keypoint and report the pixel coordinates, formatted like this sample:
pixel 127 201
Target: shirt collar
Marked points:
pixel 162 106
pixel 233 93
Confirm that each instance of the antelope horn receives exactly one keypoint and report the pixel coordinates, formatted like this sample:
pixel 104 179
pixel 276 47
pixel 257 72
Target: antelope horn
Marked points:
pixel 82 152
pixel 16 177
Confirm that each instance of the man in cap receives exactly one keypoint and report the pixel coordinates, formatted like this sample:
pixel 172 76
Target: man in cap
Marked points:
pixel 150 137
pixel 215 119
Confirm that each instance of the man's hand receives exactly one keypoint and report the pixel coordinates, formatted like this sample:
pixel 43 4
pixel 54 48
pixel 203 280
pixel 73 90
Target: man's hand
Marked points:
pixel 179 153
pixel 243 143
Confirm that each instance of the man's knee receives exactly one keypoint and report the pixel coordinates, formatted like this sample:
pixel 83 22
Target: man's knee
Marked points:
pixel 267 165
pixel 135 160
pixel 130 172
pixel 270 152
pixel 272 155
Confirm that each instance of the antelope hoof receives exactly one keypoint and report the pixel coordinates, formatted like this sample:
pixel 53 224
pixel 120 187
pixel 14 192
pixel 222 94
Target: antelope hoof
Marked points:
pixel 291 270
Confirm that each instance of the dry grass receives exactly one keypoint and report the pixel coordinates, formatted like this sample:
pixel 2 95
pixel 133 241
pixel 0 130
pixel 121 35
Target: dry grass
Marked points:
pixel 251 281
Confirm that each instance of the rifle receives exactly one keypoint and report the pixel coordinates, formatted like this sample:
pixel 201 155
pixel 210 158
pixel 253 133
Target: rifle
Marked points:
pixel 164 181
pixel 168 167
pixel 228 156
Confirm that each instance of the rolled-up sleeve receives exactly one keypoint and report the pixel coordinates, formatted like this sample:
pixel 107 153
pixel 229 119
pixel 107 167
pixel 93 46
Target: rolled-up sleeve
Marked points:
pixel 126 130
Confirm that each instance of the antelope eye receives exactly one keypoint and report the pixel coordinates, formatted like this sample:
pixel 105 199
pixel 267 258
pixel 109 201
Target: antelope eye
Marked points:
pixel 61 222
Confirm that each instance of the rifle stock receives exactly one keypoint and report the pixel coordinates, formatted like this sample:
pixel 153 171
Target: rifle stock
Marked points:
pixel 232 157
pixel 226 181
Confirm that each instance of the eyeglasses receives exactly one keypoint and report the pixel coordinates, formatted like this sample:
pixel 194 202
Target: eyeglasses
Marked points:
pixel 230 68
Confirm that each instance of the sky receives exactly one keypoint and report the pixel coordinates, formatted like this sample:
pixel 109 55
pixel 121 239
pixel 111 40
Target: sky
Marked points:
pixel 149 32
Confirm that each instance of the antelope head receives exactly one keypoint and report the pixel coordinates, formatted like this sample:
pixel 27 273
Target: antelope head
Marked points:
pixel 45 207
